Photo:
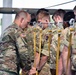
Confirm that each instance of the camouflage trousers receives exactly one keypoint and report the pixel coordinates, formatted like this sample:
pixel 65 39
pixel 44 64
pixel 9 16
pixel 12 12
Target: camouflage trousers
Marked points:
pixel 6 73
pixel 45 70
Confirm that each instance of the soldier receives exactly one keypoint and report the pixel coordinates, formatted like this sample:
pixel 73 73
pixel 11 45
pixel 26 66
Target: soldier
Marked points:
pixel 13 49
pixel 52 49
pixel 68 22
pixel 73 57
pixel 58 18
pixel 43 18
pixel 73 39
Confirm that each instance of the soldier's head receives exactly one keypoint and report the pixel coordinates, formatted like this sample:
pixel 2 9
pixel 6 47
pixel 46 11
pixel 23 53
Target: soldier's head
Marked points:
pixel 22 19
pixel 68 19
pixel 58 16
pixel 43 17
pixel 42 9
pixel 74 9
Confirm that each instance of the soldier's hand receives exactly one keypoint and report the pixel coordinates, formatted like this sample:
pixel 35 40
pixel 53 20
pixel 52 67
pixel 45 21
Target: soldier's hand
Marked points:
pixel 32 71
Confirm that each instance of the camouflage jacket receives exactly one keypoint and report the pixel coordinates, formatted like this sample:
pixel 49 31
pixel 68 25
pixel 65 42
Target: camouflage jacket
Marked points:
pixel 44 39
pixel 65 41
pixel 73 55
pixel 54 45
pixel 11 40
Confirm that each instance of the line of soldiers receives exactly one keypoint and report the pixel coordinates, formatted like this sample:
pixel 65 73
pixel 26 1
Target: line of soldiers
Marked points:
pixel 43 49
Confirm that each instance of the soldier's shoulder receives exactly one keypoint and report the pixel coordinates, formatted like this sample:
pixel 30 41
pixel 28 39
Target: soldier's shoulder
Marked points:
pixel 11 29
pixel 65 30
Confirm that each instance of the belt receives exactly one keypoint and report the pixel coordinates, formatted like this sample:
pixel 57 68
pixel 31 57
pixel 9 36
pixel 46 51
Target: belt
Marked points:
pixel 9 72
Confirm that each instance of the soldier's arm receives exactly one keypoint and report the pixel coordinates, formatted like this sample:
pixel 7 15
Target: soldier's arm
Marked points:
pixel 8 53
pixel 42 62
pixel 44 55
pixel 38 64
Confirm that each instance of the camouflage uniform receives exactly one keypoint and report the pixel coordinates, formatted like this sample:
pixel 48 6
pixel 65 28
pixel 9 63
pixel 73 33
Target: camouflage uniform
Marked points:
pixel 45 70
pixel 73 57
pixel 53 48
pixel 65 41
pixel 64 38
pixel 44 44
pixel 10 41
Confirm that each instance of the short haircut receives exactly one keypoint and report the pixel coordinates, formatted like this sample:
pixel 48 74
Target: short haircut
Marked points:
pixel 33 19
pixel 42 9
pixel 59 12
pixel 21 14
pixel 68 17
pixel 42 13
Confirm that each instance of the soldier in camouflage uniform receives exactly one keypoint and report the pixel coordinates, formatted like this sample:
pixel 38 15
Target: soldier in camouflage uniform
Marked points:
pixel 43 18
pixel 13 49
pixel 73 58
pixel 68 16
pixel 73 55
pixel 68 22
pixel 58 18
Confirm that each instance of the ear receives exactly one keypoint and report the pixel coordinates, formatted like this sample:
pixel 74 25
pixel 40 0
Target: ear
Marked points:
pixel 47 20
pixel 65 24
pixel 59 18
pixel 22 19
